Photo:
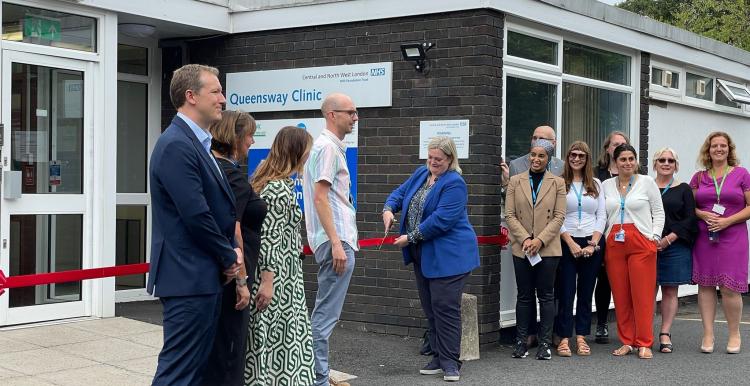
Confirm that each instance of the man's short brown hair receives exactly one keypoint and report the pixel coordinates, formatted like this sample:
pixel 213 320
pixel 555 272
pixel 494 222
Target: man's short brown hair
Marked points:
pixel 187 77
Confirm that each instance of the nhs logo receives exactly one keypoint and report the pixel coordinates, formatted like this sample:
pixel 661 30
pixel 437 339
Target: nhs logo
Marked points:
pixel 380 71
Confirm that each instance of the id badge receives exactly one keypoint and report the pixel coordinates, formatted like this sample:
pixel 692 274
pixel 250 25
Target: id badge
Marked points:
pixel 719 209
pixel 620 236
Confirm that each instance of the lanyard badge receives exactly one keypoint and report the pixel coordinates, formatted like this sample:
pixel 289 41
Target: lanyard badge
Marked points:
pixel 718 208
pixel 620 235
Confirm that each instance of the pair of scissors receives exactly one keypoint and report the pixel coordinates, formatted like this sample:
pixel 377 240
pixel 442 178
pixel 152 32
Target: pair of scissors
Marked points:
pixel 385 236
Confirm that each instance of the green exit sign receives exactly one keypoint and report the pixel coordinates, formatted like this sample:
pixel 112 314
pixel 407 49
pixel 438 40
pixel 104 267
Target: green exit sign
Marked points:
pixel 40 27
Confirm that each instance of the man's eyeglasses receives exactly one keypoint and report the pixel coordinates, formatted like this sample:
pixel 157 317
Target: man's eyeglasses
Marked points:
pixel 352 113
pixel 577 155
pixel 666 160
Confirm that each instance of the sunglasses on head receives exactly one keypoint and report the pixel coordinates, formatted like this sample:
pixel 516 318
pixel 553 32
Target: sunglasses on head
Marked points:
pixel 666 160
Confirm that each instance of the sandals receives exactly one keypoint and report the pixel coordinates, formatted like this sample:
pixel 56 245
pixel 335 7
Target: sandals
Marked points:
pixel 563 349
pixel 582 348
pixel 666 348
pixel 645 353
pixel 623 350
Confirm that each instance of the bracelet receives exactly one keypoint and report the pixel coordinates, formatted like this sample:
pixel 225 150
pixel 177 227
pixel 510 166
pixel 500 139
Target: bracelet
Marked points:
pixel 668 242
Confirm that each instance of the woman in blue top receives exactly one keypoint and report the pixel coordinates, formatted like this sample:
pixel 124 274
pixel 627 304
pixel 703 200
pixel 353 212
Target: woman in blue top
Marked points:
pixel 438 239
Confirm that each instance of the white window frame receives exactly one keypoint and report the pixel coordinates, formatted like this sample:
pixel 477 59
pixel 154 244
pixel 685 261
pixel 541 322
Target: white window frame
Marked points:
pixel 723 83
pixel 663 90
pixel 545 73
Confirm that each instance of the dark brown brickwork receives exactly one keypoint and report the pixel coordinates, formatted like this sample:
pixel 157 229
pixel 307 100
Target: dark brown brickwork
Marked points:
pixel 464 82
pixel 643 119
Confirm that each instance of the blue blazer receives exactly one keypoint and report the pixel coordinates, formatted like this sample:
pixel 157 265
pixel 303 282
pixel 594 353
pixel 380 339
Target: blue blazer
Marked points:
pixel 450 244
pixel 193 211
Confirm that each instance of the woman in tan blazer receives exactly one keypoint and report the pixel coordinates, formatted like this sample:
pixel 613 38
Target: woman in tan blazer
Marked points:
pixel 535 210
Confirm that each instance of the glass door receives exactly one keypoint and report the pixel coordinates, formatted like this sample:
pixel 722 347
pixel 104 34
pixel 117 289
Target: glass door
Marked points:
pixel 43 211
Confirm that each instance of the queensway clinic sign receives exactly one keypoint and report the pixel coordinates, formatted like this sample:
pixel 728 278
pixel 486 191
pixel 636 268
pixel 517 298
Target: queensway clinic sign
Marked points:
pixel 369 85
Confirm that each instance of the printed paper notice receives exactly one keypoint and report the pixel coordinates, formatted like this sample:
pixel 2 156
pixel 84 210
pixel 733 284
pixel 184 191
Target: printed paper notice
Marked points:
pixel 458 130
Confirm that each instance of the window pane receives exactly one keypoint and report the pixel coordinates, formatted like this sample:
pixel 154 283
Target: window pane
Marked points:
pixel 47 128
pixel 45 243
pixel 722 99
pixel 590 113
pixel 532 48
pixel 656 78
pixel 529 104
pixel 130 244
pixel 132 60
pixel 132 139
pixel 48 28
pixel 699 86
pixel 594 63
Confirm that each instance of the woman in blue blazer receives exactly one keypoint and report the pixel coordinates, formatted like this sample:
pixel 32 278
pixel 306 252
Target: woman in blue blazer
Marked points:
pixel 438 239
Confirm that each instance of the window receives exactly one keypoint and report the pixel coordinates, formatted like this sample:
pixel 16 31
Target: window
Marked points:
pixel 589 114
pixel 733 91
pixel 48 28
pixel 132 136
pixel 665 78
pixel 528 104
pixel 532 48
pixel 132 60
pixel 699 86
pixel 595 63
pixel 130 244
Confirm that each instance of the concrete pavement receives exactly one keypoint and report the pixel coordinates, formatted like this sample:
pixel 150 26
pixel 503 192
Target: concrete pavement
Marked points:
pixel 122 351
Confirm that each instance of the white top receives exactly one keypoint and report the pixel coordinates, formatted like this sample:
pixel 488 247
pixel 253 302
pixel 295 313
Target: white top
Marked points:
pixel 643 206
pixel 593 212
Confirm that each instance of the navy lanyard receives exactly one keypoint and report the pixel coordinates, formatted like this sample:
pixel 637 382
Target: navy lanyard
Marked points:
pixel 579 194
pixel 622 201
pixel 534 193
pixel 669 185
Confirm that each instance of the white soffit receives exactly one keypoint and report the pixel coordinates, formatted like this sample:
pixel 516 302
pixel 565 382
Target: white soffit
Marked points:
pixel 533 10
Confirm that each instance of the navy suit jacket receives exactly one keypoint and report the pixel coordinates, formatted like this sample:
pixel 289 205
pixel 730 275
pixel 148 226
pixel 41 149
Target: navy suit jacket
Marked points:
pixel 193 213
pixel 449 246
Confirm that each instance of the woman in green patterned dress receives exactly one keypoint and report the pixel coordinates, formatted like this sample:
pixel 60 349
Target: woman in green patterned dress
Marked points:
pixel 279 350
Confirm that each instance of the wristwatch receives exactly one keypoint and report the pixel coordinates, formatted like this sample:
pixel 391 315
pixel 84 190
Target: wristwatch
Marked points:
pixel 657 238
pixel 241 281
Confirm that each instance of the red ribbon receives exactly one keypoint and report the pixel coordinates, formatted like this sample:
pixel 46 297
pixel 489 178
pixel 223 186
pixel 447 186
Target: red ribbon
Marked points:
pixel 134 269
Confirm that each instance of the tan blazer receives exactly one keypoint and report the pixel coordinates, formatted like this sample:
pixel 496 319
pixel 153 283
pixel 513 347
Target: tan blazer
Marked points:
pixel 546 218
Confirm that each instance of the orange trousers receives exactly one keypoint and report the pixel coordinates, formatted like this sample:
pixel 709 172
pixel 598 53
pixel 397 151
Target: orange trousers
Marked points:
pixel 631 268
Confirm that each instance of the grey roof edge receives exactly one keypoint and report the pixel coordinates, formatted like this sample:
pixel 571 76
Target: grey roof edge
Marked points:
pixel 620 17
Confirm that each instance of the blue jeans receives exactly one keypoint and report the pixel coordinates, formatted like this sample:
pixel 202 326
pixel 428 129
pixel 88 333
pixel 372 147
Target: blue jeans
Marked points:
pixel 328 303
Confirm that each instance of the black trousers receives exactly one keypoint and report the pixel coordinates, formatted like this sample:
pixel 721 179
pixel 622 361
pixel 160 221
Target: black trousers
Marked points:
pixel 537 282
pixel 602 293
pixel 575 276
pixel 441 303
pixel 226 363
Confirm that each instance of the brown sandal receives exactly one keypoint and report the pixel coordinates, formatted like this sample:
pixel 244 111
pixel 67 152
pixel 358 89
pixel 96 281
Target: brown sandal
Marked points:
pixel 645 353
pixel 582 348
pixel 623 350
pixel 563 349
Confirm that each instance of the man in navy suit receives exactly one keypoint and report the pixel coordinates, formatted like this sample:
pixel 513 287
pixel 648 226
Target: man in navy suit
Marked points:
pixel 192 244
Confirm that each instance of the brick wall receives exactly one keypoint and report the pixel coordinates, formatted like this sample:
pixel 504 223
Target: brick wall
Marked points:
pixel 644 102
pixel 464 83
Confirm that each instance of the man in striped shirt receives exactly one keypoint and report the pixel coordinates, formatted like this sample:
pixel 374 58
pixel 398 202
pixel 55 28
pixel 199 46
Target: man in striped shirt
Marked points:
pixel 330 218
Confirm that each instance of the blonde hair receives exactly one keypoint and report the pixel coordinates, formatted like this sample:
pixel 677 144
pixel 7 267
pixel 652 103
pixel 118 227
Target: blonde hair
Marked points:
pixel 704 157
pixel 285 158
pixel 662 151
pixel 448 147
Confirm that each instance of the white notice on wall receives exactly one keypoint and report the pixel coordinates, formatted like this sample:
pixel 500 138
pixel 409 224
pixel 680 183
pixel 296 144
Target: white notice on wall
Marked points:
pixel 458 130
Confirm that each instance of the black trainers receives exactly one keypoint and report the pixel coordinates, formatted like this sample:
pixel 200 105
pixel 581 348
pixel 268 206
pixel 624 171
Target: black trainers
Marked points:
pixel 520 350
pixel 432 368
pixel 544 352
pixel 602 334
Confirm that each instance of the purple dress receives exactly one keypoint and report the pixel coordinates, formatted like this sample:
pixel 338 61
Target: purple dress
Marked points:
pixel 723 263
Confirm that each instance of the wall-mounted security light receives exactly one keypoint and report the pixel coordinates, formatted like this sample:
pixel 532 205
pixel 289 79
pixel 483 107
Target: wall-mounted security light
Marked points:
pixel 417 52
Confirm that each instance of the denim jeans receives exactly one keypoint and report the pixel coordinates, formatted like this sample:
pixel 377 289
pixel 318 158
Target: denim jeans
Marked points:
pixel 328 303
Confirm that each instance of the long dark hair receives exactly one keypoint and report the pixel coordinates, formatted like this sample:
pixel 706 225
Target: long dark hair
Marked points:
pixel 625 147
pixel 588 173
pixel 285 158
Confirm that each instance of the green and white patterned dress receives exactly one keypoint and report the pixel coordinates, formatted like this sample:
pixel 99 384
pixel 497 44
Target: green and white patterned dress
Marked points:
pixel 279 349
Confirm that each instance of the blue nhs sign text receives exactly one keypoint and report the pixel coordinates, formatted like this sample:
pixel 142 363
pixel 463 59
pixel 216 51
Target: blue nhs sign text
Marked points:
pixel 380 71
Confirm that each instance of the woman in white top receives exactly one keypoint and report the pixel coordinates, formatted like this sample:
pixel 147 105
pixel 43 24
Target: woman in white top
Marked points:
pixel 581 233
pixel 635 218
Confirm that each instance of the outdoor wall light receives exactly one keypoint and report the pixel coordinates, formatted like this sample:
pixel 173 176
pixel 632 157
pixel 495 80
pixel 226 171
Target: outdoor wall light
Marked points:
pixel 416 52
pixel 136 30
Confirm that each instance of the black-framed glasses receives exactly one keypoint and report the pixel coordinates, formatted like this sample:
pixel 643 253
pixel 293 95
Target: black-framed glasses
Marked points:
pixel 577 155
pixel 666 160
pixel 352 113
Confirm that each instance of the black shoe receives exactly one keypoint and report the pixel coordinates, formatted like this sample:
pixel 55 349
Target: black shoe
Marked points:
pixel 520 350
pixel 544 352
pixel 602 334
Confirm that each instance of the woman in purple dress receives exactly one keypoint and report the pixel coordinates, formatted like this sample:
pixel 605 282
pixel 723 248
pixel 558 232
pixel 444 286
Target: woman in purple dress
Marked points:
pixel 720 254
